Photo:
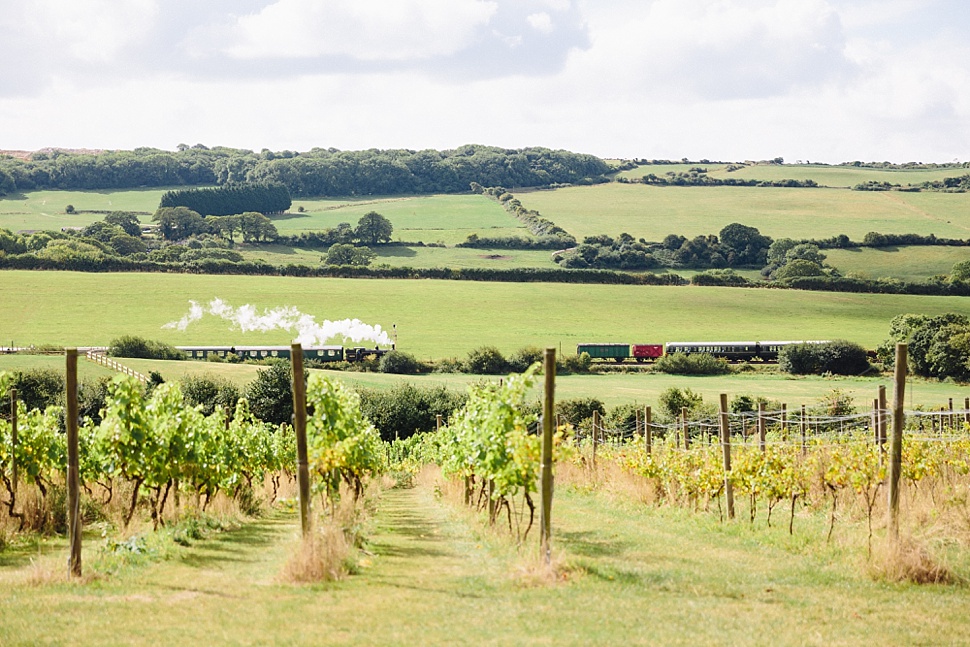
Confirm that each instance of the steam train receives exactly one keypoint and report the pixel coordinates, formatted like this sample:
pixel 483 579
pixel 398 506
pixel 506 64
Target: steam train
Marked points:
pixel 314 353
pixel 733 351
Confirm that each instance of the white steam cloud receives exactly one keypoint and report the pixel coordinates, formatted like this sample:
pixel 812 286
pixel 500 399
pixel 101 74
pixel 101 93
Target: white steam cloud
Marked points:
pixel 308 332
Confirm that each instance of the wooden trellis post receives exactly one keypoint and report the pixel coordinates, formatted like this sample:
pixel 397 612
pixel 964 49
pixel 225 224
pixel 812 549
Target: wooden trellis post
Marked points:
pixel 596 424
pixel 762 426
pixel 299 426
pixel 73 473
pixel 802 427
pixel 883 416
pixel 896 446
pixel 683 426
pixel 647 431
pixel 546 485
pixel 726 446
pixel 13 439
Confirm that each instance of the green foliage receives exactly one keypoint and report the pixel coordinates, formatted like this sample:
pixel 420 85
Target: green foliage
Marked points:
pixel 522 359
pixel 673 399
pixel 178 223
pixel 960 271
pixel 726 277
pixel 406 409
pixel 373 229
pixel 38 388
pixel 210 393
pixel 127 220
pixel 939 346
pixel 141 348
pixel 231 199
pixel 576 411
pixel 270 394
pixel 401 363
pixel 744 245
pixel 486 360
pixel 347 254
pixel 798 268
pixel 839 357
pixel 692 364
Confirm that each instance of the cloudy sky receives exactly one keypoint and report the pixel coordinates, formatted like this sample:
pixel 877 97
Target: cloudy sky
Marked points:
pixel 826 80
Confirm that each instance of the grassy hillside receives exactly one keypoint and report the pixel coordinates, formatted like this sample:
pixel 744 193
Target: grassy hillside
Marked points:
pixel 654 212
pixel 907 263
pixel 441 318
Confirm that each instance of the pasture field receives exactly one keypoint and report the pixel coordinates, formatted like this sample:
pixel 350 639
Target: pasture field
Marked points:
pixel 645 575
pixel 654 212
pixel 830 176
pixel 909 263
pixel 438 319
pixel 418 257
pixel 45 209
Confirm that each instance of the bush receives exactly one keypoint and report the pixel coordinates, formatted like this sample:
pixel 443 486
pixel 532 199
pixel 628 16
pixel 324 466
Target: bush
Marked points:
pixel 401 363
pixel 406 409
pixel 574 363
pixel 672 400
pixel 692 364
pixel 140 348
pixel 210 391
pixel 578 410
pixel 525 357
pixel 839 357
pixel 39 388
pixel 486 360
pixel 270 394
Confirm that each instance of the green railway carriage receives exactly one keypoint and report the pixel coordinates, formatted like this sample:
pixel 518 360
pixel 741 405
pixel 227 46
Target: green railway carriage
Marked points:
pixel 317 353
pixel 616 352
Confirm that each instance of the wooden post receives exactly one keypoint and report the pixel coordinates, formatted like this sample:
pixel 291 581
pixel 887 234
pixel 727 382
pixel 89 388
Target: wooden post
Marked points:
pixel 13 438
pixel 726 446
pixel 636 431
pixel 762 426
pixel 896 446
pixel 299 426
pixel 949 418
pixel 647 431
pixel 683 426
pixel 596 424
pixel 73 474
pixel 883 416
pixel 784 421
pixel 966 411
pixel 548 409
pixel 875 421
pixel 804 431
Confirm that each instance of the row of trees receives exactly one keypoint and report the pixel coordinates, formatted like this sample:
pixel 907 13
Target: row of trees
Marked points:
pixel 315 172
pixel 231 199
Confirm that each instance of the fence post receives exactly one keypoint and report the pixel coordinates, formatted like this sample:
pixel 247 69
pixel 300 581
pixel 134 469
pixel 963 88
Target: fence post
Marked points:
pixel 966 411
pixel 801 425
pixel 949 418
pixel 73 474
pixel 683 426
pixel 726 446
pixel 299 426
pixel 596 424
pixel 636 431
pixel 648 431
pixel 548 409
pixel 883 417
pixel 762 426
pixel 896 446
pixel 784 421
pixel 13 438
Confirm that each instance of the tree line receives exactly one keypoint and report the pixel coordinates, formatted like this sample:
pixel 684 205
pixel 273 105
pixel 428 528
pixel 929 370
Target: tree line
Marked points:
pixel 230 199
pixel 317 172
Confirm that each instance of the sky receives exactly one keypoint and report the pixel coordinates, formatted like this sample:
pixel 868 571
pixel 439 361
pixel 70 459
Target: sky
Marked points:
pixel 732 80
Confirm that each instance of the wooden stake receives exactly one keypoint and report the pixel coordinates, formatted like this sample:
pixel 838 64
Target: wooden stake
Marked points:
pixel 784 421
pixel 883 416
pixel 546 486
pixel 13 439
pixel 875 422
pixel 683 426
pixel 896 446
pixel 949 418
pixel 648 431
pixel 801 425
pixel 966 411
pixel 726 446
pixel 73 473
pixel 762 426
pixel 299 426
pixel 437 422
pixel 596 424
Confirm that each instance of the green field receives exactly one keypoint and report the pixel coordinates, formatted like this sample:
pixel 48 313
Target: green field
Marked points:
pixel 419 257
pixel 440 318
pixel 906 263
pixel 831 176
pixel 654 212
pixel 36 210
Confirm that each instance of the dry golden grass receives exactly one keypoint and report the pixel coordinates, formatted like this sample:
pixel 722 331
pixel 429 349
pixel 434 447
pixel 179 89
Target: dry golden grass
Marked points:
pixel 908 559
pixel 321 556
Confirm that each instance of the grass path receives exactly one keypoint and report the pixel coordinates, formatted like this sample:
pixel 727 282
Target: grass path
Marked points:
pixel 639 575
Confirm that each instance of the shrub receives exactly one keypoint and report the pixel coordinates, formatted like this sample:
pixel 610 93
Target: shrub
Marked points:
pixel 140 348
pixel 270 394
pixel 486 360
pixel 672 400
pixel 406 409
pixel 574 363
pixel 692 364
pixel 401 363
pixel 210 391
pixel 39 388
pixel 839 357
pixel 525 357
pixel 577 410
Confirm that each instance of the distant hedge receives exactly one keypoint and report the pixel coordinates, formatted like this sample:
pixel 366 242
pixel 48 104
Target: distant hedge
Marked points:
pixel 230 199
pixel 839 357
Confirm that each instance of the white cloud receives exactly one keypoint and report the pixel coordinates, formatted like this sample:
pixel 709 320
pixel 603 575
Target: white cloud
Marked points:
pixel 540 22
pixel 91 31
pixel 373 30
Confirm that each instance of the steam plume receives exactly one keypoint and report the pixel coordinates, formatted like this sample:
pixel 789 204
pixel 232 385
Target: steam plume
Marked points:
pixel 308 332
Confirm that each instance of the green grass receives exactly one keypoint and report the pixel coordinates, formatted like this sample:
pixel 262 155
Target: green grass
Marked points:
pixel 654 212
pixel 907 263
pixel 831 176
pixel 637 575
pixel 440 318
pixel 419 257
pixel 35 210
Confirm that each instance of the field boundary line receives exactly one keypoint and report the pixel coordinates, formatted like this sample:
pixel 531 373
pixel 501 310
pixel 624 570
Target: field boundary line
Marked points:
pixel 98 357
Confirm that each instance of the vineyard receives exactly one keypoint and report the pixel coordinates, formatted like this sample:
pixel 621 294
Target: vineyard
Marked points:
pixel 819 476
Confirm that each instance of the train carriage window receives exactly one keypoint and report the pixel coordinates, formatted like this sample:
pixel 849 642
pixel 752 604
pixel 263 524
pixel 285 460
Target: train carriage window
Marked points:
pixel 276 353
pixel 263 353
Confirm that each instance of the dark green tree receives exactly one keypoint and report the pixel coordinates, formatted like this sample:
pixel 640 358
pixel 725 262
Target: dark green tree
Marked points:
pixel 373 229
